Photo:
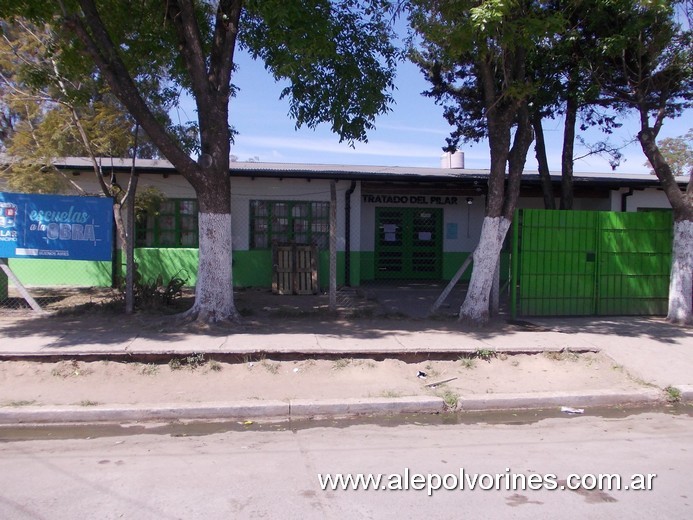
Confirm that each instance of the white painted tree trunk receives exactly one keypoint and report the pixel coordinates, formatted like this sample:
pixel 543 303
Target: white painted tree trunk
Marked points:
pixel 681 281
pixel 475 307
pixel 214 289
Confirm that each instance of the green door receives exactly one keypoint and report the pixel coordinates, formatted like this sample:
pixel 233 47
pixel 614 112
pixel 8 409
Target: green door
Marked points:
pixel 408 243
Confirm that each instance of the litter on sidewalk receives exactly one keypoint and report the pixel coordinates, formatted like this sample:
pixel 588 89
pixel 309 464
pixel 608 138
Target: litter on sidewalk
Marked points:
pixel 573 411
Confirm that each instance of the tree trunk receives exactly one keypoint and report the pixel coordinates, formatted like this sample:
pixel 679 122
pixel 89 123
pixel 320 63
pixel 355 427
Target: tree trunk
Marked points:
pixel 475 308
pixel 543 164
pixel 567 155
pixel 214 288
pixel 681 281
pixel 681 278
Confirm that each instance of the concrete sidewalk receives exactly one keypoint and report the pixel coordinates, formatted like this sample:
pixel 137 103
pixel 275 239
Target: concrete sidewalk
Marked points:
pixel 654 352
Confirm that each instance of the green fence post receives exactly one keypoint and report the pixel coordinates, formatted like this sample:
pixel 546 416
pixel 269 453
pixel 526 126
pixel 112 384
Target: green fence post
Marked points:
pixel 515 265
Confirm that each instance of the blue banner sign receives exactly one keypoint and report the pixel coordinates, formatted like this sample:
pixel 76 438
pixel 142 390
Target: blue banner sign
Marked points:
pixel 56 227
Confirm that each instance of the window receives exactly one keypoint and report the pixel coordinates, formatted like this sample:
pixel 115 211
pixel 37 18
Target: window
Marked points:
pixel 175 225
pixel 289 221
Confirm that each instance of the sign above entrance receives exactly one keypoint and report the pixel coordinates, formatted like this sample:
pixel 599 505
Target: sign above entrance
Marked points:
pixel 411 199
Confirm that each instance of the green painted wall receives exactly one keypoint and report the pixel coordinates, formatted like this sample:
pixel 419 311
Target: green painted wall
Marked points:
pixel 48 273
pixel 250 268
pixel 180 262
pixel 254 268
pixel 355 268
pixel 367 263
pixel 452 262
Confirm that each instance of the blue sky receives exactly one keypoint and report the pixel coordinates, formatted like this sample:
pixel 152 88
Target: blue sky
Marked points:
pixel 412 134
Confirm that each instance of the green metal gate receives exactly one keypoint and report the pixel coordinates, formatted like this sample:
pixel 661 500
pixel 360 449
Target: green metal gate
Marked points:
pixel 408 243
pixel 577 263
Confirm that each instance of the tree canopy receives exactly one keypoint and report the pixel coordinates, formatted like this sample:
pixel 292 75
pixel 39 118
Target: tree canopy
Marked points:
pixel 337 56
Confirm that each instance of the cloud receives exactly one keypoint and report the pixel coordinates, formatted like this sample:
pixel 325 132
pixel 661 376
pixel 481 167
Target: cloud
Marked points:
pixel 287 145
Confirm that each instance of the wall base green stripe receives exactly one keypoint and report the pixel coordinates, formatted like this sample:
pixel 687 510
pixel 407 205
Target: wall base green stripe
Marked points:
pixel 51 273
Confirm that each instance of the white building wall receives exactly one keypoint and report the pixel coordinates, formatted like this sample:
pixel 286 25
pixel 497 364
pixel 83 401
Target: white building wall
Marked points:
pixel 172 186
pixel 640 199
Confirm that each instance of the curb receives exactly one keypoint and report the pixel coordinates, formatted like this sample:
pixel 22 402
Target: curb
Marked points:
pixel 557 399
pixel 686 392
pixel 127 413
pixel 306 408
pixel 378 405
pixel 52 354
pixel 278 410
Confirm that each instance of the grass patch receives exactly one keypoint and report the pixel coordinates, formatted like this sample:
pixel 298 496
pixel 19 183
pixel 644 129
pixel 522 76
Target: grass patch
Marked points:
pixel 86 402
pixel 673 394
pixel 467 362
pixel 272 368
pixel 20 403
pixel 562 355
pixel 149 369
pixel 341 364
pixel 451 399
pixel 485 353
pixel 193 361
pixel 72 368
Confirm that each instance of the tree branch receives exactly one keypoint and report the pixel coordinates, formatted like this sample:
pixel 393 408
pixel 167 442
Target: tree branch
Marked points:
pixel 99 46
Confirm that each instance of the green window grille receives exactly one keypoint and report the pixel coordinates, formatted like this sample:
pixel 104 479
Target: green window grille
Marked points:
pixel 289 222
pixel 174 225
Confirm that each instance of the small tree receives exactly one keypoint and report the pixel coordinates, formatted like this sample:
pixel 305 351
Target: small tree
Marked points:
pixel 474 54
pixel 678 153
pixel 336 55
pixel 648 68
pixel 54 115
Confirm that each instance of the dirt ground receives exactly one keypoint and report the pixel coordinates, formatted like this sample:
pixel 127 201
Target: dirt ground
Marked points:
pixel 194 379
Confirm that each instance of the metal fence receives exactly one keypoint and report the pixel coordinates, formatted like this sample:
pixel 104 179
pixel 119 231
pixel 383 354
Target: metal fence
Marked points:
pixel 564 263
pixel 591 263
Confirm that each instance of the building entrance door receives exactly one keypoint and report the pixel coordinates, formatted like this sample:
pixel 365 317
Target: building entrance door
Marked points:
pixel 408 243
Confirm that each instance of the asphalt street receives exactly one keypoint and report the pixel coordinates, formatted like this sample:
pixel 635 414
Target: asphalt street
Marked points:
pixel 272 471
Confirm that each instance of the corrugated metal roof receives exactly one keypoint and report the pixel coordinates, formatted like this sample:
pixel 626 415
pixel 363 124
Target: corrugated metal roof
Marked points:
pixel 359 172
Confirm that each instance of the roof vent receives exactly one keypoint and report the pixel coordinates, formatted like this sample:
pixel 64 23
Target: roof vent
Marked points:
pixel 452 161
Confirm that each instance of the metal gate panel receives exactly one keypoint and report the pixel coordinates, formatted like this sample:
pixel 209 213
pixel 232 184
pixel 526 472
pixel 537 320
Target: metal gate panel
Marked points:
pixel 577 263
pixel 634 263
pixel 557 263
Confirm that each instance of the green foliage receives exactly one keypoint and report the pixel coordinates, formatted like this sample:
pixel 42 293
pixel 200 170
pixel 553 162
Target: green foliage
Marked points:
pixel 485 353
pixel 154 294
pixel 338 57
pixel 192 362
pixel 673 394
pixel 474 55
pixel 647 58
pixel 678 152
pixel 147 203
pixel 45 110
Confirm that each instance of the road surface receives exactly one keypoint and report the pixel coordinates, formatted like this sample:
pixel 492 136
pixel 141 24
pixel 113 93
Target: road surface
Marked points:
pixel 271 471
